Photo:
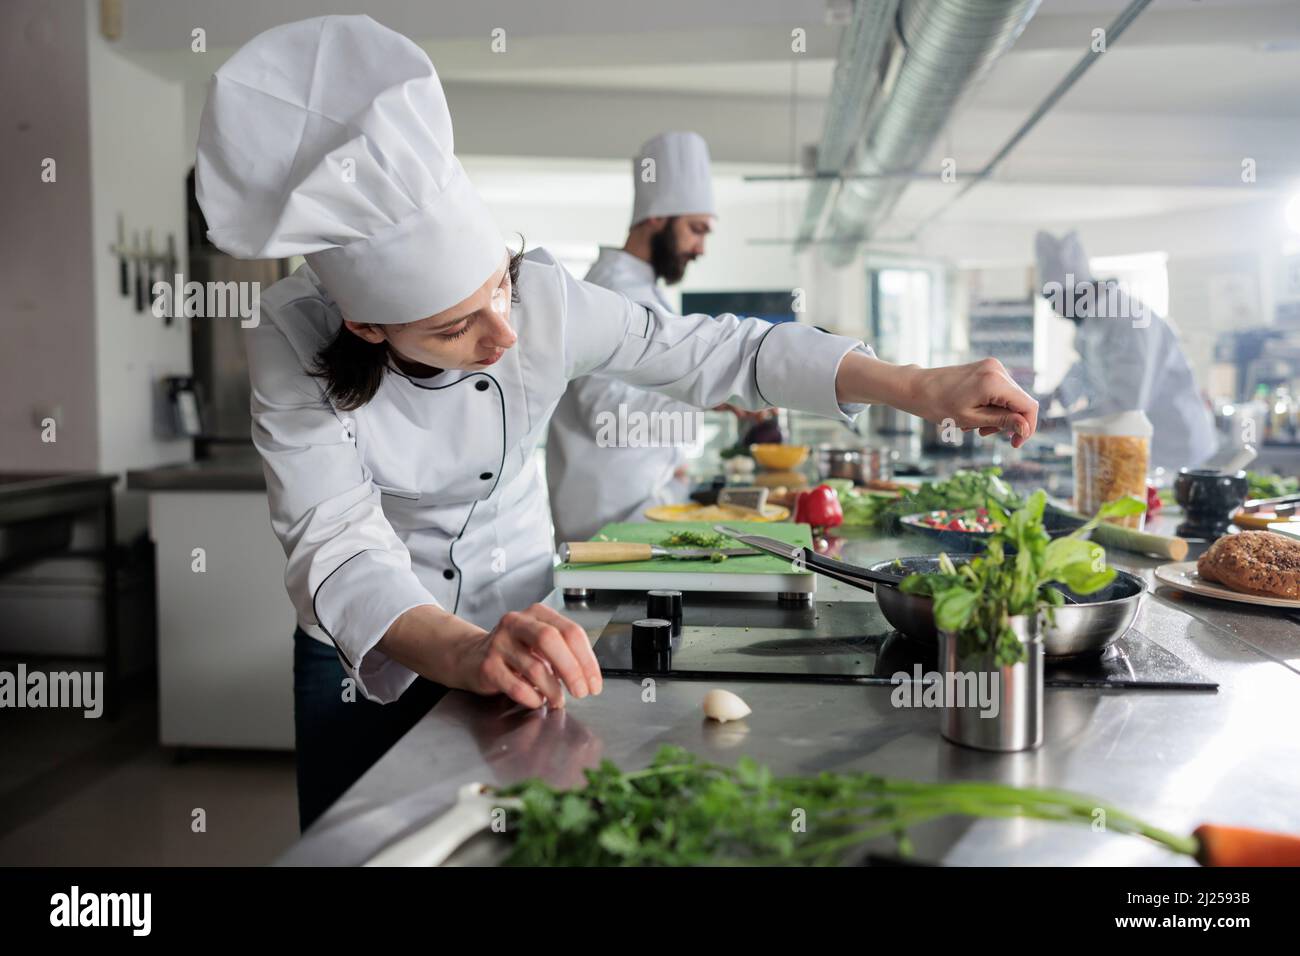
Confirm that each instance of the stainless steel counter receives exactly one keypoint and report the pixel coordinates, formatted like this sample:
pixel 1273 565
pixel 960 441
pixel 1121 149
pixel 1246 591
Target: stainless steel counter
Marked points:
pixel 1175 758
pixel 217 474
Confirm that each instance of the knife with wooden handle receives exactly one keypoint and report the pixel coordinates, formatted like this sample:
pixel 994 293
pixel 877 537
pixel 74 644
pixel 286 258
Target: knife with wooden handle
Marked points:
pixel 615 552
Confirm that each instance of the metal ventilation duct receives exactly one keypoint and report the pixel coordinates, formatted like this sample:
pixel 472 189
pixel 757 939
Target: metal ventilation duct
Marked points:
pixel 946 46
pixel 857 63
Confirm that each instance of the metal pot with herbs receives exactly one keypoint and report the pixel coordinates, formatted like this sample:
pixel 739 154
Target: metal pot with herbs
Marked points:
pixel 987 611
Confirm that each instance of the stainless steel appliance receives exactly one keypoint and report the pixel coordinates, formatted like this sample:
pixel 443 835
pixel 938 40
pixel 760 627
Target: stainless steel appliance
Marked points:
pixel 842 642
pixel 217 344
pixel 220 363
pixel 859 465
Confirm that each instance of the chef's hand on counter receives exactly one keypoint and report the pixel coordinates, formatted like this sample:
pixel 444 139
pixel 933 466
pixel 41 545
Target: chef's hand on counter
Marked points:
pixel 979 395
pixel 531 656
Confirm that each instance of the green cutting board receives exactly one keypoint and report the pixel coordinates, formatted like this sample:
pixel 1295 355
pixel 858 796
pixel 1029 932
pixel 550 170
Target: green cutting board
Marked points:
pixel 657 532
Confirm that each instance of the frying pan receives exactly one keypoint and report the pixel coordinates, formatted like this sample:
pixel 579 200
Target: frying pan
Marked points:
pixel 1084 625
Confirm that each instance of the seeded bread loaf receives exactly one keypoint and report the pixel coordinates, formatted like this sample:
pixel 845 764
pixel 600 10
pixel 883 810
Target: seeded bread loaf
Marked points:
pixel 1254 562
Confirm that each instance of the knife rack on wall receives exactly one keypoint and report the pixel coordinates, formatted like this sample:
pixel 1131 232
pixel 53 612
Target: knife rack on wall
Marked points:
pixel 139 266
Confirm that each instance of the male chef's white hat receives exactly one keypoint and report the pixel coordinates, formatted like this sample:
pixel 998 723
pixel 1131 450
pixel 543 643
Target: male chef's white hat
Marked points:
pixel 1059 258
pixel 671 176
pixel 330 138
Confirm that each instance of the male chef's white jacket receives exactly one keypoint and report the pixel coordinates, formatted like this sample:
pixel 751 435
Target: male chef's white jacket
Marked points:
pixel 1123 366
pixel 592 484
pixel 429 494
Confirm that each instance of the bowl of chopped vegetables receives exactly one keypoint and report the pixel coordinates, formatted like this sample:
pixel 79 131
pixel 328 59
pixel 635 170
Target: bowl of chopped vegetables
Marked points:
pixel 882 511
pixel 968 529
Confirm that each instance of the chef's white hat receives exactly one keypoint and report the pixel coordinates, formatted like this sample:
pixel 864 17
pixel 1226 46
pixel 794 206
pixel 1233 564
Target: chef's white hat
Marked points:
pixel 330 138
pixel 671 176
pixel 1058 258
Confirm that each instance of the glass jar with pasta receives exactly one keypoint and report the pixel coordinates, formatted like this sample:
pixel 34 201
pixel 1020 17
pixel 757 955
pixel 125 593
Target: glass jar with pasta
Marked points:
pixel 1111 456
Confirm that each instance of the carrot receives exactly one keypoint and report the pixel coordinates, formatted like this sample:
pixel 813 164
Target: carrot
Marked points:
pixel 1241 846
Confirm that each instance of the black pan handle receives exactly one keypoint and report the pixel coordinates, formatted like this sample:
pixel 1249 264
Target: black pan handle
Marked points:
pixel 853 574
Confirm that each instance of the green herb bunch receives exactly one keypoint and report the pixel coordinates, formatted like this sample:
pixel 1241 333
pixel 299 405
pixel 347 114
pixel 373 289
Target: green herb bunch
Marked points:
pixel 976 600
pixel 1262 485
pixel 683 811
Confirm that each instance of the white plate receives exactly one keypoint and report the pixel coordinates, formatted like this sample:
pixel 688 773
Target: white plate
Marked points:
pixel 1182 575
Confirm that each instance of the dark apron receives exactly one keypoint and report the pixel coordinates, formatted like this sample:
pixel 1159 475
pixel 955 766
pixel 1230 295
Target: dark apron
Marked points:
pixel 338 740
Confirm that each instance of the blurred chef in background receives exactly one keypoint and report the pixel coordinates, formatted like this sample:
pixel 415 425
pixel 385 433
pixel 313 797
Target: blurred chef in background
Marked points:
pixel 592 483
pixel 1129 357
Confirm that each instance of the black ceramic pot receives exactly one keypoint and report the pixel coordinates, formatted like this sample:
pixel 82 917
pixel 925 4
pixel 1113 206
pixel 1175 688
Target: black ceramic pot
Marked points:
pixel 1209 499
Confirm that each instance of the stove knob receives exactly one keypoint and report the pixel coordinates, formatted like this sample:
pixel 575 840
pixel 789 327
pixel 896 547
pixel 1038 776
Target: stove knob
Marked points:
pixel 652 635
pixel 666 605
pixel 652 650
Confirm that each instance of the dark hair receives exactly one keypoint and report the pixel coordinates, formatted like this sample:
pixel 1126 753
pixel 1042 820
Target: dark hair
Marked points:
pixel 353 369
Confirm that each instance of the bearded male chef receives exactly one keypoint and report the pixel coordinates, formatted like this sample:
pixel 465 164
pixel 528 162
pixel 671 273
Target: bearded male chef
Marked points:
pixel 403 377
pixel 590 481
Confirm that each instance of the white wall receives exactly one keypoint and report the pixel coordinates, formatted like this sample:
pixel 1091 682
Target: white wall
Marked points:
pixel 47 364
pixel 138 170
pixel 75 347
pixel 836 298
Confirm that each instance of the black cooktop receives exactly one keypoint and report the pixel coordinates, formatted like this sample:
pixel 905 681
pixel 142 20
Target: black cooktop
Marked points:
pixel 849 642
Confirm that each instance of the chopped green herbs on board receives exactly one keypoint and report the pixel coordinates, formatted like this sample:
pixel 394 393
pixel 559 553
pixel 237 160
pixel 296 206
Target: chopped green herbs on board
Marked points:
pixel 697 539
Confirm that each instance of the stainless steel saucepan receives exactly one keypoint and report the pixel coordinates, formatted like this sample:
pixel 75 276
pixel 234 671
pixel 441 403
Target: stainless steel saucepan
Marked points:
pixel 1086 624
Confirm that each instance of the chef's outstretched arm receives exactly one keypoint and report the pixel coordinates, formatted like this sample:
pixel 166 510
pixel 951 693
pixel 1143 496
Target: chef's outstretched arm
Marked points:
pixel 709 360
pixel 979 395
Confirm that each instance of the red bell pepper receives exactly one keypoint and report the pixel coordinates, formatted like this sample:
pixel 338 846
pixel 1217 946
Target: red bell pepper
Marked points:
pixel 819 507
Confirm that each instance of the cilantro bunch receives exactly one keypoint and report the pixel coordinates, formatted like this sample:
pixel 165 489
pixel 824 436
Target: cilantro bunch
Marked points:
pixel 977 600
pixel 683 811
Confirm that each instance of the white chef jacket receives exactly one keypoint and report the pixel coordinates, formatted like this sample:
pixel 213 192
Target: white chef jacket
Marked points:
pixel 591 484
pixel 429 493
pixel 1121 367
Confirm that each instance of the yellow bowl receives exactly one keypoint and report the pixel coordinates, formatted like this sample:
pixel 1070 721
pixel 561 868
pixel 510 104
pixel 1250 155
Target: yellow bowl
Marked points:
pixel 779 457
pixel 692 511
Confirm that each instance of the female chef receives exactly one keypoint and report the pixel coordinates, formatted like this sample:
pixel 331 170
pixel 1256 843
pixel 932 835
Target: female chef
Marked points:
pixel 403 377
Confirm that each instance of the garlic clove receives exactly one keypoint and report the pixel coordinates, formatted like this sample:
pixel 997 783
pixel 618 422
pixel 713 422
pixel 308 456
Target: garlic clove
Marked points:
pixel 723 705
